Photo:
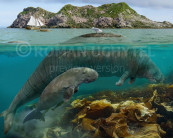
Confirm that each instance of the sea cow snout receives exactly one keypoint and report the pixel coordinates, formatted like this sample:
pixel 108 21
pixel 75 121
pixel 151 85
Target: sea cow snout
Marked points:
pixel 159 78
pixel 155 75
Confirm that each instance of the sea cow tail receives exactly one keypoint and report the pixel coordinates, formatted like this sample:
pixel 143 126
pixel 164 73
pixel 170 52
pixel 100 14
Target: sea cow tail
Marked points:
pixel 8 120
pixel 35 114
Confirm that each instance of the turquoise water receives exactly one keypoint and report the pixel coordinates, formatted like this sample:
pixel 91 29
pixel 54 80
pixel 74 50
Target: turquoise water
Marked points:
pixel 19 60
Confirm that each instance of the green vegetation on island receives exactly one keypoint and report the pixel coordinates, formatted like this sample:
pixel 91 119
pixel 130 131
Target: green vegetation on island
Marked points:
pixel 115 15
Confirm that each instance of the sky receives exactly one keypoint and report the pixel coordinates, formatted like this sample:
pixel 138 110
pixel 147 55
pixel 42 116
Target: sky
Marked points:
pixel 157 10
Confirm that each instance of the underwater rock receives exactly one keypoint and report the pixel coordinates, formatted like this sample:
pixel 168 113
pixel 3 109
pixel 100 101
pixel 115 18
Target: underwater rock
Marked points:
pixel 162 108
pixel 44 30
pixel 99 38
pixel 168 127
pixel 17 42
pixel 100 35
pixel 148 131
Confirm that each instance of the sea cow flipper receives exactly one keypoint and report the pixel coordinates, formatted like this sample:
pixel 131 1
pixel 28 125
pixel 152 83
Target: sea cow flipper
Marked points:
pixel 132 80
pixel 68 94
pixel 34 114
pixel 8 120
pixel 123 78
pixel 76 89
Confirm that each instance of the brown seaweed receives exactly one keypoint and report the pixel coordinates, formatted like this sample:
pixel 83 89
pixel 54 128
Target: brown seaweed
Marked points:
pixel 120 121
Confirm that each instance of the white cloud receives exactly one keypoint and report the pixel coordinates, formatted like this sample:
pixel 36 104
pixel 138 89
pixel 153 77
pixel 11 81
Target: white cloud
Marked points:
pixel 138 3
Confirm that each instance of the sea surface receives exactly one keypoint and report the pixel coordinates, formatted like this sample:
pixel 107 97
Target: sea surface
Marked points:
pixel 22 50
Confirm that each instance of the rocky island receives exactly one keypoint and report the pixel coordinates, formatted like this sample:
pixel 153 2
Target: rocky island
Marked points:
pixel 113 15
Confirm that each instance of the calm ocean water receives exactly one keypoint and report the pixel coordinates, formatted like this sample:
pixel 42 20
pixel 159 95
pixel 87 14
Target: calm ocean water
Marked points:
pixel 19 60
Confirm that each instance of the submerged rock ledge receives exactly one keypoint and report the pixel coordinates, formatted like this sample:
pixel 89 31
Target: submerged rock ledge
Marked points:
pixel 100 35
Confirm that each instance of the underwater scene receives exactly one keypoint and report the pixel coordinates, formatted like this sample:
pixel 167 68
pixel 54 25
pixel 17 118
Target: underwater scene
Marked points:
pixel 75 83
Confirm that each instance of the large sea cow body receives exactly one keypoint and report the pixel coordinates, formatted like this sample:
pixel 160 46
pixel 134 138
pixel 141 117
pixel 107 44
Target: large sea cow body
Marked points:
pixel 61 89
pixel 128 63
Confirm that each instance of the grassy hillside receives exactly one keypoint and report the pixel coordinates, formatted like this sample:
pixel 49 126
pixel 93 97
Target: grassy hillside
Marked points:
pixel 115 15
pixel 107 10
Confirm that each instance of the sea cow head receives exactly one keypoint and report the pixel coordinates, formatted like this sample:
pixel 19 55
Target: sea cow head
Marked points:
pixel 154 74
pixel 86 75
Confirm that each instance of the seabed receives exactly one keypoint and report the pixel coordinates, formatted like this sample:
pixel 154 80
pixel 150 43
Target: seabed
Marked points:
pixel 144 112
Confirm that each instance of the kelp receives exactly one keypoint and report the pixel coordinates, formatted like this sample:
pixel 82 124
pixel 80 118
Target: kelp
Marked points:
pixel 104 119
pixel 136 113
pixel 93 110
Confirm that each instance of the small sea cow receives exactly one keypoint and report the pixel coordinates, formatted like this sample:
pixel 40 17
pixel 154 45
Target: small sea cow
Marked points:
pixel 61 89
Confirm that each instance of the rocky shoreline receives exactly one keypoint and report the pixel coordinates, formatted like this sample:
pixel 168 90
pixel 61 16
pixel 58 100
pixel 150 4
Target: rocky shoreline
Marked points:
pixel 113 15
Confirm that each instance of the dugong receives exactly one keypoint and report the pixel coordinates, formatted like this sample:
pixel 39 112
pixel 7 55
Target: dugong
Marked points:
pixel 61 89
pixel 124 63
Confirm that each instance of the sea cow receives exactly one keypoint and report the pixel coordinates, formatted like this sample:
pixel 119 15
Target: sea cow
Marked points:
pixel 123 63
